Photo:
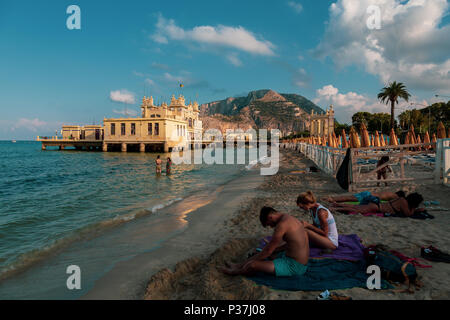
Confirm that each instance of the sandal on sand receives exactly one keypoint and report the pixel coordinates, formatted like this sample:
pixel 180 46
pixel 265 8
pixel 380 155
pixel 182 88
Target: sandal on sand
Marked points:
pixel 433 254
pixel 326 295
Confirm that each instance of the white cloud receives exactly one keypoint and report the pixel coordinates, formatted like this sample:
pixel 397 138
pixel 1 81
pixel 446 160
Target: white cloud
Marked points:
pixel 296 6
pixel 346 104
pixel 30 124
pixel 411 47
pixel 300 78
pixel 222 36
pixel 234 60
pixel 126 112
pixel 123 96
pixel 149 82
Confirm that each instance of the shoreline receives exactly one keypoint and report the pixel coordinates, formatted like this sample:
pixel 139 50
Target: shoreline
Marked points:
pixel 199 237
pixel 197 277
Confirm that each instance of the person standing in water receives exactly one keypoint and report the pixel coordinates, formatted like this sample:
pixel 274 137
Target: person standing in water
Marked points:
pixel 168 166
pixel 158 164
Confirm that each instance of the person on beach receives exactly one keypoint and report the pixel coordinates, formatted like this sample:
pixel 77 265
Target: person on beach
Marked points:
pixel 168 165
pixel 323 232
pixel 382 173
pixel 158 164
pixel 401 207
pixel 365 197
pixel 292 256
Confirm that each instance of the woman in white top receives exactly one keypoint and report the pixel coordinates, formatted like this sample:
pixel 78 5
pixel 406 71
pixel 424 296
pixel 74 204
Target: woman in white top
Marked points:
pixel 323 233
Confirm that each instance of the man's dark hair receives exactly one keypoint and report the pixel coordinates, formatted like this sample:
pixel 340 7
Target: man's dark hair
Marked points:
pixel 401 194
pixel 414 200
pixel 265 211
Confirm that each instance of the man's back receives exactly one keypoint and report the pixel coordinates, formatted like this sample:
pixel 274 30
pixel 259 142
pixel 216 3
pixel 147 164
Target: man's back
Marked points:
pixel 296 238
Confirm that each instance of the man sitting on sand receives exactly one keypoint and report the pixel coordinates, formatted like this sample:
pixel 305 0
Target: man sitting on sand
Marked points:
pixel 366 197
pixel 291 262
pixel 401 207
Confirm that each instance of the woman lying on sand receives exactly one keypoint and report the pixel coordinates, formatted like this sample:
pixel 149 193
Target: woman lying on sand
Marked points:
pixel 323 233
pixel 365 196
pixel 400 207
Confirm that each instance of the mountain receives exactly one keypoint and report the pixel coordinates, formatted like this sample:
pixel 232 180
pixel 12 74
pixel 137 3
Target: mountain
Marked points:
pixel 260 109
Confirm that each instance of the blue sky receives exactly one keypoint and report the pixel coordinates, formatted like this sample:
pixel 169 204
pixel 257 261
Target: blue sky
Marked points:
pixel 323 50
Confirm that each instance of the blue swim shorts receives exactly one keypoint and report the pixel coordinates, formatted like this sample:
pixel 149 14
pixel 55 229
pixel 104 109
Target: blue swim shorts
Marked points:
pixel 360 196
pixel 286 266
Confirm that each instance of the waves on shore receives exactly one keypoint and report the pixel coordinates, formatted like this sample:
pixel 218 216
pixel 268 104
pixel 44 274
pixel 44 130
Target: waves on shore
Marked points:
pixel 30 258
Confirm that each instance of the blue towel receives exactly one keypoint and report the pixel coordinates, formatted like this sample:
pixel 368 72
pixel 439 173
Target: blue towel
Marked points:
pixel 322 274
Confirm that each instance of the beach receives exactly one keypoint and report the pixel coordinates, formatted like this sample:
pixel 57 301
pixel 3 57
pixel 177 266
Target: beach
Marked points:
pixel 229 233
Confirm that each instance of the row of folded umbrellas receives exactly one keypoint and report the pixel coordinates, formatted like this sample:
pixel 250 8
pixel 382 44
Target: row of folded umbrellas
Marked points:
pixel 364 139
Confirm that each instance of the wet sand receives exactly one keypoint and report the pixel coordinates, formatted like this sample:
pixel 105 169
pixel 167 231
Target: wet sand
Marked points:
pixel 187 272
pixel 204 216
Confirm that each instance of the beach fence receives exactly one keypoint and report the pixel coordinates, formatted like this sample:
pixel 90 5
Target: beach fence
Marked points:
pixel 326 158
pixel 442 171
pixel 419 163
pixel 407 163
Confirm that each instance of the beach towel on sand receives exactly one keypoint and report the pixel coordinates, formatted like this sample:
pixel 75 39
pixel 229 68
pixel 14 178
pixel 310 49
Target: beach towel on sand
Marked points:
pixel 350 248
pixel 417 215
pixel 322 274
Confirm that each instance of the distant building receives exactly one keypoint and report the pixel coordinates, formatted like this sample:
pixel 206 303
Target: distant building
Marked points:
pixel 163 127
pixel 321 124
pixel 159 128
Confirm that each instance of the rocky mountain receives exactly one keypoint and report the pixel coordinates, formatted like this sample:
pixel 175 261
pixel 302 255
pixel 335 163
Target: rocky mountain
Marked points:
pixel 261 109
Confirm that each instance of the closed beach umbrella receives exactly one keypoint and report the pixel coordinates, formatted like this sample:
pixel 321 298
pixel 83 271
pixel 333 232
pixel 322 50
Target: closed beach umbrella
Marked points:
pixel 344 140
pixel 407 138
pixel 412 135
pixel 354 139
pixel 382 141
pixel 335 141
pixel 434 139
pixel 365 139
pixel 393 138
pixel 441 134
pixel 377 142
pixel 426 139
pixel 419 141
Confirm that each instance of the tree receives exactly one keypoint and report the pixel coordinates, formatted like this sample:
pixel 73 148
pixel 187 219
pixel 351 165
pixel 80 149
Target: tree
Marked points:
pixel 391 94
pixel 373 121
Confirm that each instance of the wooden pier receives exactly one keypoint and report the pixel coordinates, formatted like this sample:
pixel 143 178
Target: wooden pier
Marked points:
pixel 131 146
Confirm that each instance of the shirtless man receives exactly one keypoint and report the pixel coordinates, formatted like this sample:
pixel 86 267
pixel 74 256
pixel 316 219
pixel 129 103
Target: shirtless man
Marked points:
pixel 158 164
pixel 292 261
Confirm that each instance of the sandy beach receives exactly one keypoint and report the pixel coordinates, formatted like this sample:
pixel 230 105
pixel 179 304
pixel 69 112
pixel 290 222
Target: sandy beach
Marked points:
pixel 230 237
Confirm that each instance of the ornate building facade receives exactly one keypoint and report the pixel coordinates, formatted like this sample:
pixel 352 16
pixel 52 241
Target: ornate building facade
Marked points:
pixel 162 127
pixel 321 124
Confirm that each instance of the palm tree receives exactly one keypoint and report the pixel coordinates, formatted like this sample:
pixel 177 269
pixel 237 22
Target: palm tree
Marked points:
pixel 391 94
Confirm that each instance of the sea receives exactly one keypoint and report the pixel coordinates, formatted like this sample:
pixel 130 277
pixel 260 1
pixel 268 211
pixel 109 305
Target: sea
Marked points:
pixel 60 208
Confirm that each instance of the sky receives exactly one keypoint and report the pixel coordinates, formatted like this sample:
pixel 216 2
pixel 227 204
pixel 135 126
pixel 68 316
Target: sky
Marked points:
pixel 339 52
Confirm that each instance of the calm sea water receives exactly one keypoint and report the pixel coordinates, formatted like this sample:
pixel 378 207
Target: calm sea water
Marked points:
pixel 52 200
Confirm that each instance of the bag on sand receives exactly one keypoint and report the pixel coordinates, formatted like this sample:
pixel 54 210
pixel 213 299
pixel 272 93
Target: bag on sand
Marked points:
pixel 342 173
pixel 392 267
